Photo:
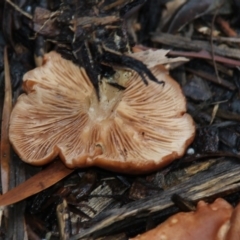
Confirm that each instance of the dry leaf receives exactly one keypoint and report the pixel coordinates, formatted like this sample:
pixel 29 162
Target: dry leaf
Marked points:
pixel 154 58
pixel 39 182
pixel 170 8
pixel 5 145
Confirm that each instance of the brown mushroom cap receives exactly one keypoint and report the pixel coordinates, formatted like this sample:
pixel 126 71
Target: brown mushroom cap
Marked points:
pixel 135 130
pixel 208 222
pixel 234 230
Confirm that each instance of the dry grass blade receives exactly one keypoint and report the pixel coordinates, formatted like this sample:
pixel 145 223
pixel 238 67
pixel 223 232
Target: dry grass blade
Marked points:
pixel 39 182
pixel 5 145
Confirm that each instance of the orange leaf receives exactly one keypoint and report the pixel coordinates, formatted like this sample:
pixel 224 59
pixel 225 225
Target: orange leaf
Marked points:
pixel 39 182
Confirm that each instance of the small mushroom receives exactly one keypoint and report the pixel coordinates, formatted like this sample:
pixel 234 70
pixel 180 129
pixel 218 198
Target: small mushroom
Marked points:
pixel 208 222
pixel 135 130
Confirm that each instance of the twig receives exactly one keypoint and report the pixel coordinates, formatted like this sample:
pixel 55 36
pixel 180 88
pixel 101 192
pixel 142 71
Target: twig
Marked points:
pixel 212 49
pixel 227 39
pixel 114 4
pixel 204 55
pixel 212 78
pixel 195 45
pixel 226 27
pixel 17 8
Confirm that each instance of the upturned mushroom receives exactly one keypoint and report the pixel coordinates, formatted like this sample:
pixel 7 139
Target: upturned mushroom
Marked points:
pixel 216 221
pixel 135 130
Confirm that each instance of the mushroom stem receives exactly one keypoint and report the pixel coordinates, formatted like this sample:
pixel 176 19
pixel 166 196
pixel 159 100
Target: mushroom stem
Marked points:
pixel 110 95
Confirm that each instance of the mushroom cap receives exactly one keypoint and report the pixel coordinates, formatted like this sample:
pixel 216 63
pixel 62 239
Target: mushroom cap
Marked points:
pixel 136 130
pixel 208 222
pixel 233 232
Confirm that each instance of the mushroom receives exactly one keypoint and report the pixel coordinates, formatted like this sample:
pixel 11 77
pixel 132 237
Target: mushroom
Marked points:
pixel 135 130
pixel 208 222
pixel 234 231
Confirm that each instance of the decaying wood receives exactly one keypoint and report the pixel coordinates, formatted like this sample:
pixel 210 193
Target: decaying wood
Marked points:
pixel 213 79
pixel 228 115
pixel 113 237
pixel 216 178
pixel 63 220
pixel 14 229
pixel 194 45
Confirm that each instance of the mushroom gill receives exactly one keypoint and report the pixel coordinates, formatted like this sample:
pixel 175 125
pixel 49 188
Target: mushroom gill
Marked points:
pixel 135 130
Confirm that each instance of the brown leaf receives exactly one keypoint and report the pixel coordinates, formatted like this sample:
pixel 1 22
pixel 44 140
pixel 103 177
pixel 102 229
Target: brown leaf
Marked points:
pixel 5 145
pixel 39 182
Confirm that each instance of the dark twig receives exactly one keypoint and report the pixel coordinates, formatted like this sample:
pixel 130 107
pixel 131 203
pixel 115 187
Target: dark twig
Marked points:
pixel 17 8
pixel 211 41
